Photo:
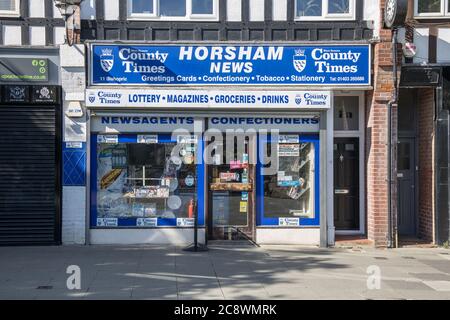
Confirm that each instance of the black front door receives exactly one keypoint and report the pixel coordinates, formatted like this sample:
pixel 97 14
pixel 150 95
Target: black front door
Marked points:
pixel 346 183
pixel 406 187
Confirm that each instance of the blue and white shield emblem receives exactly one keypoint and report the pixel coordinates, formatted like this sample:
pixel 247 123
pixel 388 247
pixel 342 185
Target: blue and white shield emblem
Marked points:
pixel 299 60
pixel 107 60
pixel 298 99
pixel 92 98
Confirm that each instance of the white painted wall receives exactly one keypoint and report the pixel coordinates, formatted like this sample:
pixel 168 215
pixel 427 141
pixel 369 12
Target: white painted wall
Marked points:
pixel 421 36
pixel 234 10
pixel 37 36
pixel 279 10
pixel 56 12
pixel 59 35
pixel 256 10
pixel 36 9
pixel 443 45
pixel 112 10
pixel 73 216
pixel 372 12
pixel 12 35
pixel 301 236
pixel 174 236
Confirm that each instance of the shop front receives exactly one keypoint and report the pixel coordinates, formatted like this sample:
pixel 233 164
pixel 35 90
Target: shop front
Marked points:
pixel 238 139
pixel 30 142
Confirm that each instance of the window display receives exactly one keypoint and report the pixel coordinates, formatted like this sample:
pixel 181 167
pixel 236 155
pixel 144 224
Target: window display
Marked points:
pixel 141 182
pixel 288 195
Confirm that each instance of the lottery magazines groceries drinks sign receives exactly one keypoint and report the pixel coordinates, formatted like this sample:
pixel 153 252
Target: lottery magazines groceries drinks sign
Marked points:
pixel 331 65
pixel 208 99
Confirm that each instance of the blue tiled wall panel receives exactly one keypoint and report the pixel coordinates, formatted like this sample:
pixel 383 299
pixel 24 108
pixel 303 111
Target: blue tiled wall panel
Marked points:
pixel 74 164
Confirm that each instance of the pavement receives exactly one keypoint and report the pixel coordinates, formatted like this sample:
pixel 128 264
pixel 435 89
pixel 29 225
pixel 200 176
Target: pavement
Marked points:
pixel 226 271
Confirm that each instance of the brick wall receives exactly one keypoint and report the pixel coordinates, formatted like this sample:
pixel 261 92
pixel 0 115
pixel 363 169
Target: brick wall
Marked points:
pixel 425 113
pixel 376 140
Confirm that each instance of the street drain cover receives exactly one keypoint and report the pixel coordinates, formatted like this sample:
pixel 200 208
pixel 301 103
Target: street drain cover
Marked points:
pixel 410 258
pixel 381 258
pixel 44 287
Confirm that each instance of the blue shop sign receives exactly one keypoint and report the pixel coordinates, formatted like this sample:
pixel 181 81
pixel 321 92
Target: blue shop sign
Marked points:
pixel 329 65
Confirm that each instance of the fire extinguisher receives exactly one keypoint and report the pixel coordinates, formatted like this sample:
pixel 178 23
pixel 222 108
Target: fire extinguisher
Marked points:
pixel 191 209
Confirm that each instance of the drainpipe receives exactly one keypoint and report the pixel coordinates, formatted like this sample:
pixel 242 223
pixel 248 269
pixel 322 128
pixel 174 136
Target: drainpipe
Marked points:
pixel 393 102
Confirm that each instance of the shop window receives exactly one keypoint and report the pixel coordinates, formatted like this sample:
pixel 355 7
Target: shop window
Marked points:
pixel 289 193
pixel 346 113
pixel 9 8
pixel 432 8
pixel 325 9
pixel 140 181
pixel 173 9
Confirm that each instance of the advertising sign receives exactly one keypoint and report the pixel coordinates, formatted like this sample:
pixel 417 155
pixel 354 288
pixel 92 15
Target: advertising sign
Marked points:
pixel 208 99
pixel 330 65
pixel 23 69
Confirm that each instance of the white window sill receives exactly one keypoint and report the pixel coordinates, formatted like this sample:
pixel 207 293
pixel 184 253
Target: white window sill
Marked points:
pixel 9 14
pixel 430 17
pixel 174 19
pixel 325 19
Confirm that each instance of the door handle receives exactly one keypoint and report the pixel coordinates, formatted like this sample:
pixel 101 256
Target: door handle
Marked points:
pixel 341 191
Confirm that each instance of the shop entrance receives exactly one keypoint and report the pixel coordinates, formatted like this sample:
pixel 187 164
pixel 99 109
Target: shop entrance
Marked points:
pixel 231 176
pixel 346 183
pixel 406 187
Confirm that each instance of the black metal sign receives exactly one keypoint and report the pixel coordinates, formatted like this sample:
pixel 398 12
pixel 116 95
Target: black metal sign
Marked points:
pixel 23 70
pixel 21 94
pixel 16 94
pixel 420 77
pixel 44 94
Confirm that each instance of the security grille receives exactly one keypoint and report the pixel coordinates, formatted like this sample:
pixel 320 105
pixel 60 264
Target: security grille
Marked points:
pixel 29 187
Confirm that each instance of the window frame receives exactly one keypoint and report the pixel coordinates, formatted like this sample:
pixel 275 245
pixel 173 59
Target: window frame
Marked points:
pixel 11 13
pixel 131 222
pixel 188 17
pixel 329 16
pixel 261 219
pixel 361 135
pixel 443 14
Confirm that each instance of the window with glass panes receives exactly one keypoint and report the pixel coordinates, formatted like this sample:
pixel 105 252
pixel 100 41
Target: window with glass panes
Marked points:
pixel 173 9
pixel 325 9
pixel 432 8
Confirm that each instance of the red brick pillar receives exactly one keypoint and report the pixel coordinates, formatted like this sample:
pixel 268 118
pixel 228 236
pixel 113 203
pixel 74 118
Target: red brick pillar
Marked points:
pixel 376 140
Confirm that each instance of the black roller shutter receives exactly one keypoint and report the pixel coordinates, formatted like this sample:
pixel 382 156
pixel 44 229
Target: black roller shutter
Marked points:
pixel 29 175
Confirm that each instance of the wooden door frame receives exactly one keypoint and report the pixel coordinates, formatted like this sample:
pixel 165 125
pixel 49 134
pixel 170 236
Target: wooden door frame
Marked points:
pixel 362 168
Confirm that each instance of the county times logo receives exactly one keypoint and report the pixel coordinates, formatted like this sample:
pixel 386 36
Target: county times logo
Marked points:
pixel 299 60
pixel 107 60
pixel 92 98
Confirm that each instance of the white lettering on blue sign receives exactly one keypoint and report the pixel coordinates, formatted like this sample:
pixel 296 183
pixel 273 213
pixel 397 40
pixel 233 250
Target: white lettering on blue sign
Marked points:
pixel 146 120
pixel 261 120
pixel 336 65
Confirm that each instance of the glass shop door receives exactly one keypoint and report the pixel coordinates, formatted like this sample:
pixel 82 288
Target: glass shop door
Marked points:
pixel 231 176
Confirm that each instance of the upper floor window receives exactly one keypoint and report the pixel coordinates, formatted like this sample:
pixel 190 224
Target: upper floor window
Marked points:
pixel 173 9
pixel 9 8
pixel 432 8
pixel 325 9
